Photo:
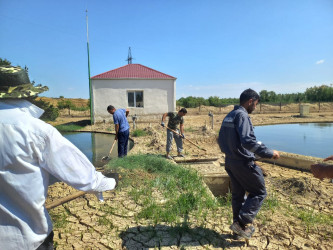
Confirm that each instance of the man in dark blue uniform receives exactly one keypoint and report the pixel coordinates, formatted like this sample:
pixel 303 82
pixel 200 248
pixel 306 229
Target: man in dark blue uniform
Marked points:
pixel 238 142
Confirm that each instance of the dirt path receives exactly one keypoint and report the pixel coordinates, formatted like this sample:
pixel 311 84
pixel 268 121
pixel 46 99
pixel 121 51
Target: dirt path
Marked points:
pixel 292 217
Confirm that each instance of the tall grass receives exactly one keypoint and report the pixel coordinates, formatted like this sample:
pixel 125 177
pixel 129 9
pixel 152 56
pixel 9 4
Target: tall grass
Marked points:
pixel 166 191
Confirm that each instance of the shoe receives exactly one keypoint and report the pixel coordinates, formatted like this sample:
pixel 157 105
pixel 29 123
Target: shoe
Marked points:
pixel 236 236
pixel 180 155
pixel 169 157
pixel 245 232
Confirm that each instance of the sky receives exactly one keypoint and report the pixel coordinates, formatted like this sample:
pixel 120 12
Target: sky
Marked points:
pixel 213 47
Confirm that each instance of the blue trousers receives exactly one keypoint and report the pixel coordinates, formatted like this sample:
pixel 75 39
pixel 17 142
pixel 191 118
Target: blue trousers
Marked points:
pixel 246 177
pixel 122 143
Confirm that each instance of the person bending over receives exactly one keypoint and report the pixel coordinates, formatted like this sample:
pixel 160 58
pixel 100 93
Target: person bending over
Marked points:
pixel 121 127
pixel 175 118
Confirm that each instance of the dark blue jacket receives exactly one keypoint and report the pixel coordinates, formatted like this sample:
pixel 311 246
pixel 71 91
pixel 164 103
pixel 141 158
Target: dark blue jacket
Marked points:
pixel 237 139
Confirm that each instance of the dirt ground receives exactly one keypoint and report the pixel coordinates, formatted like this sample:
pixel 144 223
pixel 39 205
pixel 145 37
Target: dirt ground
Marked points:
pixel 294 217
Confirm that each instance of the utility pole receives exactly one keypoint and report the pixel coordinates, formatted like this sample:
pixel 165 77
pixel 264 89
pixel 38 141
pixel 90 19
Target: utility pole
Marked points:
pixel 90 89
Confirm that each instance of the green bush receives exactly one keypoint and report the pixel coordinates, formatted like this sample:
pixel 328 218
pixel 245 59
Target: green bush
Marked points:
pixel 65 104
pixel 50 112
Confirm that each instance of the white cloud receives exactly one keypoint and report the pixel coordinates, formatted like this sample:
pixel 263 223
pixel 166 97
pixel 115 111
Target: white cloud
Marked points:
pixel 320 61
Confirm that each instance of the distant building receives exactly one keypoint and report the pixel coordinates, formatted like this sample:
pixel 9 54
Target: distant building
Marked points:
pixel 144 91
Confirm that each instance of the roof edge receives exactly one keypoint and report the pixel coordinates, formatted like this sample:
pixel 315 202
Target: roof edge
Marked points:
pixel 134 78
pixel 97 76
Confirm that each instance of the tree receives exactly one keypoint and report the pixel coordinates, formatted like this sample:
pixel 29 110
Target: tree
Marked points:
pixel 263 96
pixel 4 62
pixel 50 112
pixel 66 104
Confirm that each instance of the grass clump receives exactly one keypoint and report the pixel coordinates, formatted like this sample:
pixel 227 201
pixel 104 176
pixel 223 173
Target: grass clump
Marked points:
pixel 167 192
pixel 59 219
pixel 68 128
pixel 270 205
pixel 311 219
pixel 139 132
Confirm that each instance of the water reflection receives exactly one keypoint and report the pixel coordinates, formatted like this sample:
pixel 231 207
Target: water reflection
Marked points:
pixel 94 145
pixel 319 125
pixel 312 139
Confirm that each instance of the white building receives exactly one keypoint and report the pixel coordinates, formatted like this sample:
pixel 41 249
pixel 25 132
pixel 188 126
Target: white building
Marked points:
pixel 142 90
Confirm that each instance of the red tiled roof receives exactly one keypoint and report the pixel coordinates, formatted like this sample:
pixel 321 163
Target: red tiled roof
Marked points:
pixel 133 71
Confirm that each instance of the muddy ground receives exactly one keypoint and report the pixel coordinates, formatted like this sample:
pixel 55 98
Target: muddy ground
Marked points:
pixel 293 217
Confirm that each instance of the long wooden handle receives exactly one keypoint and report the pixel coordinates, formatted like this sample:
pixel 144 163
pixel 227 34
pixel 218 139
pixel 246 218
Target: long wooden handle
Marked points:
pixel 64 200
pixel 185 138
pixel 114 142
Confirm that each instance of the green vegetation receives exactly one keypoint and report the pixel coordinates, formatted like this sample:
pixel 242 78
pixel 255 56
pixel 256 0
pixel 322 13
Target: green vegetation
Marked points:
pixel 139 132
pixel 270 205
pixel 68 104
pixel 321 93
pixel 83 108
pixel 65 104
pixel 68 127
pixel 166 191
pixel 59 219
pixel 4 62
pixel 50 112
pixel 225 203
pixel 193 102
pixel 310 218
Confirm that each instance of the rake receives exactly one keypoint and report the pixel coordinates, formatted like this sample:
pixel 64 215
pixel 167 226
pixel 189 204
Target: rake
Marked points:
pixel 186 138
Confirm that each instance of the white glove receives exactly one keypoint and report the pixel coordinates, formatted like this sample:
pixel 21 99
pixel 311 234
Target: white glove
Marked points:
pixel 99 196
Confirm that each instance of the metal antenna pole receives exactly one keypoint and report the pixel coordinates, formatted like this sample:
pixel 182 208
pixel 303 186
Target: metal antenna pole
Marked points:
pixel 129 58
pixel 90 88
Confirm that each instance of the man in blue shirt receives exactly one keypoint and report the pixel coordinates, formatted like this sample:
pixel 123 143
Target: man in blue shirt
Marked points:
pixel 121 127
pixel 238 142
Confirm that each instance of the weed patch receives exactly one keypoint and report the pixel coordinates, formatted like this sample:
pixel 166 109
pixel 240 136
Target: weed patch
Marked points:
pixel 139 132
pixel 311 219
pixel 167 192
pixel 59 220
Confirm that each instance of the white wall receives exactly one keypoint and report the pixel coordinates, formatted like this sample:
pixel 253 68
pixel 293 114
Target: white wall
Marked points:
pixel 159 96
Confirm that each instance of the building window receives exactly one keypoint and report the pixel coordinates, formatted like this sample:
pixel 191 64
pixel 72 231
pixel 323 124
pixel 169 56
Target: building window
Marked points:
pixel 135 99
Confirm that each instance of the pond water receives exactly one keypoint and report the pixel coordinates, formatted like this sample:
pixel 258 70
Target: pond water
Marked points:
pixel 312 139
pixel 95 145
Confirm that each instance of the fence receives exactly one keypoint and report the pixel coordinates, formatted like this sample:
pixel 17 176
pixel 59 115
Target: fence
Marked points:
pixel 263 108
